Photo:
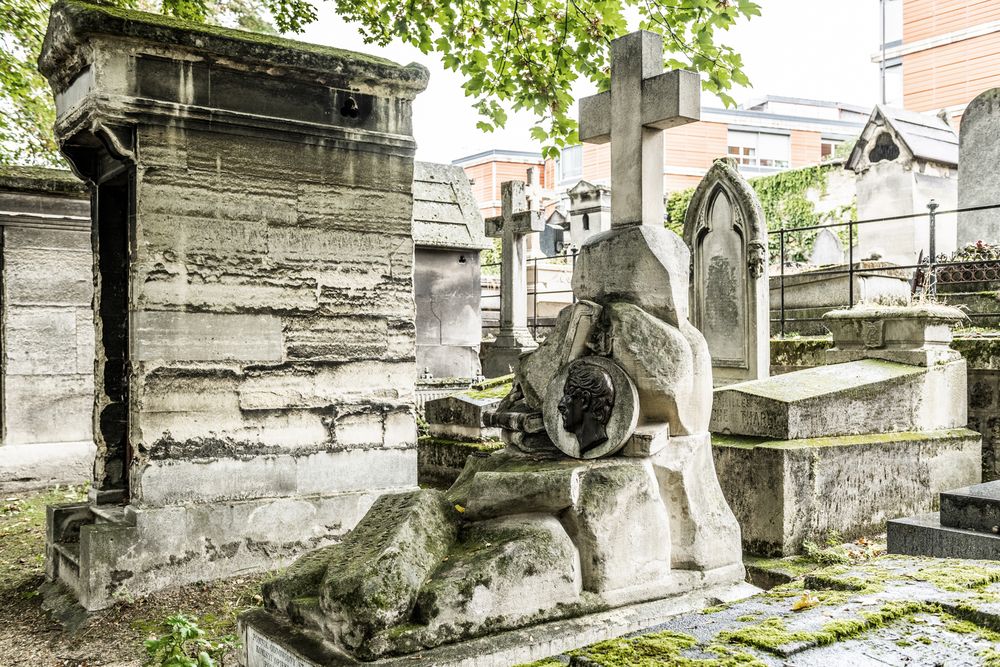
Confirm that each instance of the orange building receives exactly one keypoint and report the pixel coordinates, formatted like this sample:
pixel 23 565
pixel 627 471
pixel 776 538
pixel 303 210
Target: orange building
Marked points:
pixel 939 54
pixel 766 136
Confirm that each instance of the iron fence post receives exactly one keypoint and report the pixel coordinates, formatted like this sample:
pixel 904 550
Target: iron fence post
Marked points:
pixel 932 207
pixel 850 264
pixel 781 280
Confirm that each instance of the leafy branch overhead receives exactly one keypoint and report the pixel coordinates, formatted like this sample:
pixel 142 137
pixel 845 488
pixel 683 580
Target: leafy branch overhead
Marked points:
pixel 528 54
pixel 523 55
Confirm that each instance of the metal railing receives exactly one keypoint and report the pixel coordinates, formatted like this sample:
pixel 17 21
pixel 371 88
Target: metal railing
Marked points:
pixel 535 322
pixel 924 276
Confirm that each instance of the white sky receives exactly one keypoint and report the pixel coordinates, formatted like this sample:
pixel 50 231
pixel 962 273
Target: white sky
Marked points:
pixel 819 49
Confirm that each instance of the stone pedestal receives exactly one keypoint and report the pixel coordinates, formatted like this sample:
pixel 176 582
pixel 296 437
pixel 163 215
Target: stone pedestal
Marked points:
pixel 255 334
pixel 843 447
pixel 968 526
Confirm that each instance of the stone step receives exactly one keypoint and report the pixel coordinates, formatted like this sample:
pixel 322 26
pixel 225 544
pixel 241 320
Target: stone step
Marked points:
pixel 974 507
pixel 69 551
pixel 923 535
pixel 115 514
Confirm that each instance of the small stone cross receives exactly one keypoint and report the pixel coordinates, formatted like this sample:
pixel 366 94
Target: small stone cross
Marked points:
pixel 643 101
pixel 516 221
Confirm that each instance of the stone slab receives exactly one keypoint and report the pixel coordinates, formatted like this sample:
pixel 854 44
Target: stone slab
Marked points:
pixel 786 492
pixel 972 508
pixel 853 398
pixel 264 636
pixel 923 535
pixel 39 465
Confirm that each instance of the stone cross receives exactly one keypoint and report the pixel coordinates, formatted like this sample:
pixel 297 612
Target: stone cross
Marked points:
pixel 515 222
pixel 534 190
pixel 642 102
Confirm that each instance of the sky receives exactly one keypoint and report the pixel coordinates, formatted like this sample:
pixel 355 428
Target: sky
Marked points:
pixel 818 49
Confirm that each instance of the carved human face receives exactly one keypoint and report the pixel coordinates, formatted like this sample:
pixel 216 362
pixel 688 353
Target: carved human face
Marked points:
pixel 572 409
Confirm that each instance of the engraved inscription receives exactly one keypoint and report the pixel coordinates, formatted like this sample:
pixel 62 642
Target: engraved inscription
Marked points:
pixel 744 414
pixel 263 652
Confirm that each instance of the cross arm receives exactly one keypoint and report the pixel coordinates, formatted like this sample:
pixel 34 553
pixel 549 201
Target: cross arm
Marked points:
pixel 670 99
pixel 524 222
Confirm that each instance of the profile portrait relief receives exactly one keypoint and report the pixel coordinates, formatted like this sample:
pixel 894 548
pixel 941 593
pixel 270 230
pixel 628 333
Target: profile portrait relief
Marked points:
pixel 586 404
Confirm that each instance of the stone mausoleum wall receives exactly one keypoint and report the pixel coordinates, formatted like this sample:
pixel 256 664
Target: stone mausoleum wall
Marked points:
pixel 255 364
pixel 47 328
pixel 982 354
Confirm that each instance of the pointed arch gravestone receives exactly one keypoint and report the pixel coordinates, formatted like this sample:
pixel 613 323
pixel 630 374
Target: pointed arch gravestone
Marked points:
pixel 725 229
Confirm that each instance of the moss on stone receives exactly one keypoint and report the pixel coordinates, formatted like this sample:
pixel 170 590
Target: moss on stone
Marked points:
pixel 956 575
pixel 751 442
pixel 495 391
pixel 41 179
pixel 824 380
pixel 659 649
pixel 483 446
pixel 772 634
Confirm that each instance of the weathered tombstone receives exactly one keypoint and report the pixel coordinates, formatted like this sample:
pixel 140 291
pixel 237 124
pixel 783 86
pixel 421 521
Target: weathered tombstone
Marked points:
pixel 604 515
pixel 447 235
pixel 979 154
pixel 827 249
pixel 252 219
pixel 841 448
pixel 725 229
pixel 500 357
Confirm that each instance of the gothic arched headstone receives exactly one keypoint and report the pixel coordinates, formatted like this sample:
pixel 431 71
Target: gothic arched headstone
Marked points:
pixel 725 229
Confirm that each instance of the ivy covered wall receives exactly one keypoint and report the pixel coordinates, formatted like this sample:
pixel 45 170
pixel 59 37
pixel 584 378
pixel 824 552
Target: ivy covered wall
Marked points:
pixel 791 199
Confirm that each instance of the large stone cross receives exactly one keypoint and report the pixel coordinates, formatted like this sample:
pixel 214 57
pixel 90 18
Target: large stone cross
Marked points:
pixel 643 101
pixel 515 222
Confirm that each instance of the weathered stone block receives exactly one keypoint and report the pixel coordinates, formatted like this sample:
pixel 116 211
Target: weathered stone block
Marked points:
pixel 40 341
pixel 57 410
pixel 460 417
pixel 45 277
pixel 784 493
pixel 866 396
pixel 972 508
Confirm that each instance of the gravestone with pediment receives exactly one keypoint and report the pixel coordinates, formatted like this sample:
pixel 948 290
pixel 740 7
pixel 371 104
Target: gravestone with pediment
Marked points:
pixel 827 249
pixel 727 234
pixel 979 155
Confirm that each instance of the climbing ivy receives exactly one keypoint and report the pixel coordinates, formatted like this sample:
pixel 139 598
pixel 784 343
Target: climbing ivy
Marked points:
pixel 784 200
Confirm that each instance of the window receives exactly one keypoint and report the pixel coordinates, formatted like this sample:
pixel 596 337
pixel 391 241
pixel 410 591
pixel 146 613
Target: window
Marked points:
pixel 827 148
pixel 586 221
pixel 570 164
pixel 760 149
pixel 892 16
pixel 892 84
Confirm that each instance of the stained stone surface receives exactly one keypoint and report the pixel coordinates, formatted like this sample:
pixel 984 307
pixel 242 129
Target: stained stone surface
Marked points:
pixel 785 492
pixel 893 610
pixel 251 185
pixel 973 507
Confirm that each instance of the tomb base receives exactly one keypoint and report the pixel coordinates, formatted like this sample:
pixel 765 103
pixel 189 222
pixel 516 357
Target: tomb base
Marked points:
pixel 104 553
pixel 785 492
pixel 270 640
pixel 968 526
pixel 501 356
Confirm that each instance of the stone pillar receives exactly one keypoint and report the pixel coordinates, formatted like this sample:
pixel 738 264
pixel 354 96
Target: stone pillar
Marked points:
pixel 255 314
pixel 725 229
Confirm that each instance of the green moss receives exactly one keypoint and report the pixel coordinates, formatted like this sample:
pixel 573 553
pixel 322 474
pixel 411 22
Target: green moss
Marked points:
pixel 495 391
pixel 923 639
pixel 483 446
pixel 661 649
pixel 752 442
pixel 159 20
pixel 771 634
pixel 903 642
pixel 547 662
pixel 747 618
pixel 955 575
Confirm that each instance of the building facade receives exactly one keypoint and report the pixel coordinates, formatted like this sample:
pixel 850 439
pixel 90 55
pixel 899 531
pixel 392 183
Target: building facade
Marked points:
pixel 938 54
pixel 766 136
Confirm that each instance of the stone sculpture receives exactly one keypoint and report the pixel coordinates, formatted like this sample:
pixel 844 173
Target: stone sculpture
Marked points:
pixel 605 497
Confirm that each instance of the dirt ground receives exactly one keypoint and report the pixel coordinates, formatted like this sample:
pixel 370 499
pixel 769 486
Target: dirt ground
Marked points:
pixel 30 637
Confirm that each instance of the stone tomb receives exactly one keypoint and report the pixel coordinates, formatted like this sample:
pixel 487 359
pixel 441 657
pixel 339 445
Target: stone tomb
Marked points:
pixel 967 526
pixel 725 229
pixel 603 515
pixel 843 447
pixel 48 329
pixel 979 151
pixel 255 317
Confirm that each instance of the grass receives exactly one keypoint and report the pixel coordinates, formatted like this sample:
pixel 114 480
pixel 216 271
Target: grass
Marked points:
pixel 114 636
